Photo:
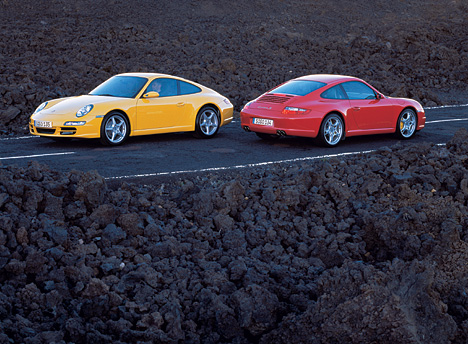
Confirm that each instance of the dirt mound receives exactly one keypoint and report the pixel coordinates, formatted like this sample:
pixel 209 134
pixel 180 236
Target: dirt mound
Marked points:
pixel 240 48
pixel 362 249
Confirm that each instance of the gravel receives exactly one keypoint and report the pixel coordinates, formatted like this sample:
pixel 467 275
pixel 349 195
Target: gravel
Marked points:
pixel 416 49
pixel 359 249
pixel 363 249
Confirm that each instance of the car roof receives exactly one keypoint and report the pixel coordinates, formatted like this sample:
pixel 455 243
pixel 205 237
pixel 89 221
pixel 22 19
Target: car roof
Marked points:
pixel 144 75
pixel 152 76
pixel 327 78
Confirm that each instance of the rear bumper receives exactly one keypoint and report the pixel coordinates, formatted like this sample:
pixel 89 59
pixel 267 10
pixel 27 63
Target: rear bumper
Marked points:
pixel 226 115
pixel 300 125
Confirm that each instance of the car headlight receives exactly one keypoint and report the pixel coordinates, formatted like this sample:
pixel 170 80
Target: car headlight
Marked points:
pixel 41 107
pixel 84 110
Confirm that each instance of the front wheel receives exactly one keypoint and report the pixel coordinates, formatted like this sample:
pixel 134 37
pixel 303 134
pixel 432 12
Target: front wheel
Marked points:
pixel 207 123
pixel 331 130
pixel 406 125
pixel 114 129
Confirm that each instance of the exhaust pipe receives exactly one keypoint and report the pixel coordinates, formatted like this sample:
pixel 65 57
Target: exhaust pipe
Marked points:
pixel 246 128
pixel 280 133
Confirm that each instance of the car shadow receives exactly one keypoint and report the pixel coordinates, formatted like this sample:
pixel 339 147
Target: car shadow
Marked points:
pixel 306 142
pixel 95 143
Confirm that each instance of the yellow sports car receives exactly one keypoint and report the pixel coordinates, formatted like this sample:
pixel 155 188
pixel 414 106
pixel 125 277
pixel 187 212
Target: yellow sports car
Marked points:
pixel 133 104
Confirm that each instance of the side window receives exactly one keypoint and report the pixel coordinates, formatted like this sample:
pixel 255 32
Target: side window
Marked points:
pixel 358 90
pixel 165 87
pixel 186 88
pixel 335 92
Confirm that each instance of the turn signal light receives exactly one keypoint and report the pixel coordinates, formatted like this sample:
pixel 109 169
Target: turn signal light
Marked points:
pixel 74 123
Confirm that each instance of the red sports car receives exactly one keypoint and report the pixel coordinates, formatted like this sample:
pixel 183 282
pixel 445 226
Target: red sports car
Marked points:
pixel 330 107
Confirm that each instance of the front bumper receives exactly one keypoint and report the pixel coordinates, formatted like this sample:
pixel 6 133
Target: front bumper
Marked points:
pixel 91 129
pixel 421 119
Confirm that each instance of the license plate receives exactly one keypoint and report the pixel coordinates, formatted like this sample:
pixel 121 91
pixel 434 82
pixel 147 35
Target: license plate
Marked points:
pixel 43 124
pixel 263 121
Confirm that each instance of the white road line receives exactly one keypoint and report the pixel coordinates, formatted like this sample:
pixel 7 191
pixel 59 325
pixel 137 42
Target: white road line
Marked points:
pixel 18 138
pixel 35 156
pixel 445 106
pixel 213 169
pixel 236 121
pixel 448 120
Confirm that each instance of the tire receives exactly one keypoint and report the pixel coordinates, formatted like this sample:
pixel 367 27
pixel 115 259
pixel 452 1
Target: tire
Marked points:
pixel 115 129
pixel 406 125
pixel 207 123
pixel 268 137
pixel 331 130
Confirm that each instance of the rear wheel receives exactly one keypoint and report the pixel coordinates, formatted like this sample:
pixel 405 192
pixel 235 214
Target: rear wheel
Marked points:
pixel 207 123
pixel 331 130
pixel 114 129
pixel 406 125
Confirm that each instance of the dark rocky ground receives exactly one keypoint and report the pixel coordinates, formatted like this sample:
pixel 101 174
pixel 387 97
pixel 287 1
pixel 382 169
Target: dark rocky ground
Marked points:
pixel 367 249
pixel 416 49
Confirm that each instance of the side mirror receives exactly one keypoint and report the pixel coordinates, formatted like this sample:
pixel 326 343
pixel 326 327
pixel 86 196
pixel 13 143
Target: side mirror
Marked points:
pixel 379 96
pixel 151 94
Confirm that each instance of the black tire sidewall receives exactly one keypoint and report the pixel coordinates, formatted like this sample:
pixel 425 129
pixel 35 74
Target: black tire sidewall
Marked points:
pixel 198 132
pixel 321 135
pixel 103 138
pixel 398 130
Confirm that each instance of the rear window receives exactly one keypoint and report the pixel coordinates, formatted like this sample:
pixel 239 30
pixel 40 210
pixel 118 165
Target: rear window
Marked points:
pixel 186 88
pixel 298 87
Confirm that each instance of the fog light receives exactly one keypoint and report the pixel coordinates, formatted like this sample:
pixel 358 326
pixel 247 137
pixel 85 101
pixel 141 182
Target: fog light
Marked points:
pixel 75 123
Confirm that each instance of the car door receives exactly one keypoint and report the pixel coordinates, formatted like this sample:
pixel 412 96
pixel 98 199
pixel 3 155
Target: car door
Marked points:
pixel 190 96
pixel 368 110
pixel 164 112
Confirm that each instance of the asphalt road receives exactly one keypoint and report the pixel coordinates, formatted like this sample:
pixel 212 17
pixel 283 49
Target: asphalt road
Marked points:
pixel 147 158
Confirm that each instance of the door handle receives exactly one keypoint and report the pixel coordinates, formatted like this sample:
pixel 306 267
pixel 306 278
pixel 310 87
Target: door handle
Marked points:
pixel 356 108
pixel 180 104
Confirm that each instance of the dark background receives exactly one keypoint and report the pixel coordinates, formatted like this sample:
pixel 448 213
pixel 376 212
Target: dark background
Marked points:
pixel 416 49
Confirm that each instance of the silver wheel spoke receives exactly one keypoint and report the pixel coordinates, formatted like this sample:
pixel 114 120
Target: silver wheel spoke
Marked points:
pixel 333 131
pixel 115 129
pixel 407 124
pixel 208 122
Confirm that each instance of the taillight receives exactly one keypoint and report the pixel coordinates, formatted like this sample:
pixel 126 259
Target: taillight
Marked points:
pixel 246 106
pixel 289 110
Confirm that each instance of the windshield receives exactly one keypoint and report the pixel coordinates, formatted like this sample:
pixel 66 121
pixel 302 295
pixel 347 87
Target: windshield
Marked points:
pixel 120 86
pixel 298 87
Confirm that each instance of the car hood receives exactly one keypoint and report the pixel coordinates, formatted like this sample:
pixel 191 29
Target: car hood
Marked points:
pixel 73 104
